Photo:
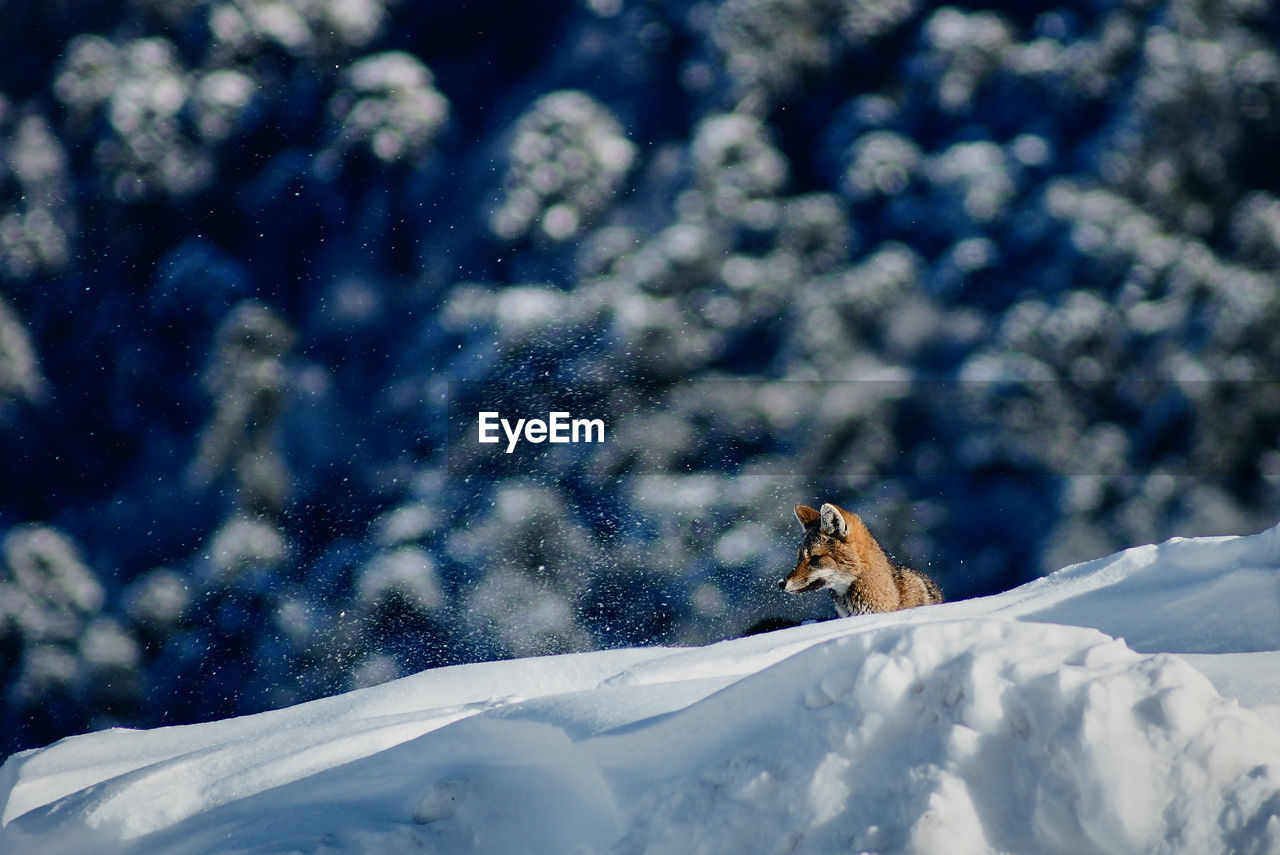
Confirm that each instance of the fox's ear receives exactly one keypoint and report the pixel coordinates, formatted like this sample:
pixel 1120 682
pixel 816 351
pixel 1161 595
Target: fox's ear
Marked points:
pixel 833 521
pixel 807 515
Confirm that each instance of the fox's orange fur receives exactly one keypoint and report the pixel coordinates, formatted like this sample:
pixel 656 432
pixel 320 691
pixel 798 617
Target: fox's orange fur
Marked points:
pixel 840 554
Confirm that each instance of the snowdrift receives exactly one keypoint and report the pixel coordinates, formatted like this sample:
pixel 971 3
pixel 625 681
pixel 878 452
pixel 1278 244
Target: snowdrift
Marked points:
pixel 1129 704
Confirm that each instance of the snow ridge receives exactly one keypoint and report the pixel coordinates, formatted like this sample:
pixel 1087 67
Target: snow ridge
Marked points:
pixel 1125 705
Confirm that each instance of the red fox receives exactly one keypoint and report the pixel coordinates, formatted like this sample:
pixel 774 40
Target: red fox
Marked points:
pixel 839 553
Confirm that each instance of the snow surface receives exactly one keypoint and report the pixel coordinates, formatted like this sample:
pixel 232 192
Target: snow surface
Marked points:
pixel 1129 704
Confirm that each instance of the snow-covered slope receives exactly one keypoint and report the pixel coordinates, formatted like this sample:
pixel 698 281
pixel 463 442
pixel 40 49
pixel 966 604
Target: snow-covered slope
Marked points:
pixel 1130 704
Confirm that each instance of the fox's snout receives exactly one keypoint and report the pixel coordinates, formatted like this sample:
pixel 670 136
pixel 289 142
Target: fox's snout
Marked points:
pixel 791 582
pixel 800 580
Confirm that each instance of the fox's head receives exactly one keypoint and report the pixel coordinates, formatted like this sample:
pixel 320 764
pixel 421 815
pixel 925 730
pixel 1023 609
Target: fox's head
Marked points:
pixel 827 558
